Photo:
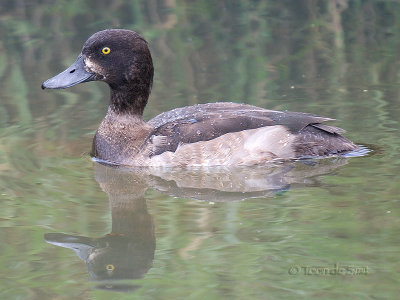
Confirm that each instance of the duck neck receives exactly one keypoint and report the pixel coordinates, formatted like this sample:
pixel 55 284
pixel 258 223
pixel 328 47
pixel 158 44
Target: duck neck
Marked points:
pixel 128 101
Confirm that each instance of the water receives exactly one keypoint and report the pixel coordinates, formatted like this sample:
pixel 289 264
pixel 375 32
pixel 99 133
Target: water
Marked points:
pixel 72 228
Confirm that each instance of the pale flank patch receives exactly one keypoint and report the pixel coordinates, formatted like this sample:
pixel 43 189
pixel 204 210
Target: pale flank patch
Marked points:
pixel 248 147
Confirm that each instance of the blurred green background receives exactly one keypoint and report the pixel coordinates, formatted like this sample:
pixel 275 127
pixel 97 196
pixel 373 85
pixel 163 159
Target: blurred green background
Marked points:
pixel 336 58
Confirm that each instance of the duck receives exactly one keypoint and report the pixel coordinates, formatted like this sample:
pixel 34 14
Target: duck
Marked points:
pixel 211 134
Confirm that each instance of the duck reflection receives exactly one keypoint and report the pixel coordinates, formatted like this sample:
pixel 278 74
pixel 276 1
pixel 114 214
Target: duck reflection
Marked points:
pixel 128 251
pixel 225 184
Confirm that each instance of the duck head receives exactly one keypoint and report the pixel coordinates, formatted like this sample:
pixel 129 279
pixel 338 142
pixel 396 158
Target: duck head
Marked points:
pixel 119 57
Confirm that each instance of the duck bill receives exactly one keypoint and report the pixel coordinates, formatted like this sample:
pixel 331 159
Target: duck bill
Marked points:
pixel 73 75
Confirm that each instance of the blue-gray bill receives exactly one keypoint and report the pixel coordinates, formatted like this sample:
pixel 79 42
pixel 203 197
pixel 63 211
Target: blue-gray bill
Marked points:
pixel 73 75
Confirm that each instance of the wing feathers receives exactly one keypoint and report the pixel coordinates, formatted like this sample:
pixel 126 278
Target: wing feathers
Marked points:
pixel 204 122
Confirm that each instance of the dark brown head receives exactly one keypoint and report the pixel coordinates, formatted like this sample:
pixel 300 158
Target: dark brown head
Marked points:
pixel 118 57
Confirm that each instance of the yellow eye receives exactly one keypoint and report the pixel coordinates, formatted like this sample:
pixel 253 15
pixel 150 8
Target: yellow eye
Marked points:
pixel 105 50
pixel 110 268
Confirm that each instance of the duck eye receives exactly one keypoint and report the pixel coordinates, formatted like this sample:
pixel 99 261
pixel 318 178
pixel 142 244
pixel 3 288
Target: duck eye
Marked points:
pixel 105 50
pixel 110 268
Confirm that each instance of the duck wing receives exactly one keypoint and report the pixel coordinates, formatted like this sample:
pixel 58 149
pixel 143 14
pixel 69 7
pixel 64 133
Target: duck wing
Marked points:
pixel 204 122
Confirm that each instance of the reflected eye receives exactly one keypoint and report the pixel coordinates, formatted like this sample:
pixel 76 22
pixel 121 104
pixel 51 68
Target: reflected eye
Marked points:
pixel 105 50
pixel 110 268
